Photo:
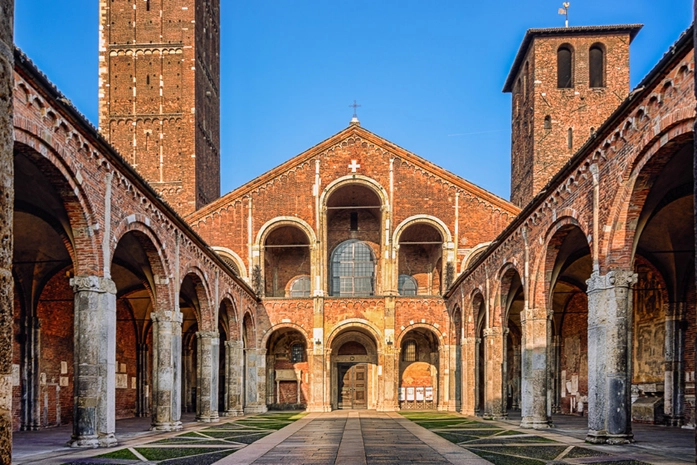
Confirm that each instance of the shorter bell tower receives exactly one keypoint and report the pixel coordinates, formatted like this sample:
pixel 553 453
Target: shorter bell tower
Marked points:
pixel 565 83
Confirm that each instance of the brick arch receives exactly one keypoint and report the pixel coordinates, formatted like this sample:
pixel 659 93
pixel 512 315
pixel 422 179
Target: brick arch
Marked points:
pixel 431 220
pixel 503 279
pixel 473 254
pixel 232 321
pixel 265 338
pixel 355 179
pixel 159 262
pixel 206 311
pixel 249 316
pixel 356 323
pixel 439 335
pixel 224 251
pixel 280 221
pixel 473 325
pixel 539 287
pixel 60 171
pixel 618 245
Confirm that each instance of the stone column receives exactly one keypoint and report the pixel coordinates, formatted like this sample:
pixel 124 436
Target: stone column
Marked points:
pixel 233 375
pixel 166 405
pixel 674 387
pixel 533 390
pixel 255 381
pixel 207 376
pixel 142 385
pixel 6 221
pixel 555 363
pixel 469 376
pixel 389 402
pixel 493 373
pixel 94 358
pixel 609 357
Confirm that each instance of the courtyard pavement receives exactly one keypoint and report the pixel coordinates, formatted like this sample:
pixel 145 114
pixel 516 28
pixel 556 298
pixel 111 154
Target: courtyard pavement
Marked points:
pixel 369 437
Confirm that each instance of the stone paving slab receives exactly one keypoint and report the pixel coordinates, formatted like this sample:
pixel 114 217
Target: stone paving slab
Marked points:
pixel 353 438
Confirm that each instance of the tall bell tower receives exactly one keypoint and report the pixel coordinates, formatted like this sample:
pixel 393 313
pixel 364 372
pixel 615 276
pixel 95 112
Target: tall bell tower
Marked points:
pixel 159 99
pixel 565 83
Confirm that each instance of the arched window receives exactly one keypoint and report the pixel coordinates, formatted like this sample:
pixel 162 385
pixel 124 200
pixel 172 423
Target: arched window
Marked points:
pixel 300 287
pixel 409 353
pixel 564 65
pixel 353 269
pixel 406 285
pixel 297 353
pixel 548 123
pixel 596 66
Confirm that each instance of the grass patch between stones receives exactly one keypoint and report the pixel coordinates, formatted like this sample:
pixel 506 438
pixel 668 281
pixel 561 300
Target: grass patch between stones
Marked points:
pixel 122 454
pixel 500 459
pixel 582 452
pixel 500 439
pixel 156 453
pixel 454 436
pixel 535 452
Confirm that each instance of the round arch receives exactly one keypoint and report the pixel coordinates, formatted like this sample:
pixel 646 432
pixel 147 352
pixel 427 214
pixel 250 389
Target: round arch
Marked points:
pixel 279 221
pixel 473 254
pixel 355 179
pixel 355 323
pixel 234 257
pixel 437 223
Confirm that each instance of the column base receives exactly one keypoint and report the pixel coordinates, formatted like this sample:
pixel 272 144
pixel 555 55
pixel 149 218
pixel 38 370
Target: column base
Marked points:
pixel 93 441
pixel 601 437
pixel 535 423
pixel 495 416
pixel 677 420
pixel 212 418
pixel 232 413
pixel 168 426
pixel 255 409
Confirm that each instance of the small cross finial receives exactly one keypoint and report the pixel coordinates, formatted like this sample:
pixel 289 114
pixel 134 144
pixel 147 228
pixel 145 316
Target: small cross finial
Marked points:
pixel 354 106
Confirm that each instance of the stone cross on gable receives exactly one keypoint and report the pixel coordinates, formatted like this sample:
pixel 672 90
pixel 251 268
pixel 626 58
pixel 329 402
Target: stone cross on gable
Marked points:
pixel 353 166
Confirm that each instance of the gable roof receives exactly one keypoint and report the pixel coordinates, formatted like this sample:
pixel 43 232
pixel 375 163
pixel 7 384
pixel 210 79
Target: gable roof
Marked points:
pixel 531 34
pixel 354 130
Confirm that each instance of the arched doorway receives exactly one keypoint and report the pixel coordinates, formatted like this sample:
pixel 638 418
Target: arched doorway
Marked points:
pixel 569 265
pixel 287 371
pixel 354 367
pixel 512 302
pixel 418 370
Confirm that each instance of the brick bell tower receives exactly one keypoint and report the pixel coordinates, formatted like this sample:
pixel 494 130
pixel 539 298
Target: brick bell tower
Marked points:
pixel 159 101
pixel 565 83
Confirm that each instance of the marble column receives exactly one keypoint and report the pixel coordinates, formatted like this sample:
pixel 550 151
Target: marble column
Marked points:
pixel 609 357
pixel 255 381
pixel 167 340
pixel 94 407
pixel 533 391
pixel 6 221
pixel 493 372
pixel 674 382
pixel 207 376
pixel 233 375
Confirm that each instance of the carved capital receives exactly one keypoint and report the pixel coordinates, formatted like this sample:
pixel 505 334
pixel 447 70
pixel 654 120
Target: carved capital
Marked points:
pixel 233 344
pixel 614 278
pixel 92 284
pixel 166 316
pixel 493 331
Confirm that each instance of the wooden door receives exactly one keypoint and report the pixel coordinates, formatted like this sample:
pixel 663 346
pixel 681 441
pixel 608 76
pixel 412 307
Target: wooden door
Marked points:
pixel 353 386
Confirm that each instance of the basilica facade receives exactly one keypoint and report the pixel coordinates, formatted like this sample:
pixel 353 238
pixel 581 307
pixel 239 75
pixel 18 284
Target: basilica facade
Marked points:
pixel 357 274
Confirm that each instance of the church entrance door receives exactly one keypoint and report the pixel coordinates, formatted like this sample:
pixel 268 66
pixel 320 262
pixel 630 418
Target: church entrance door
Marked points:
pixel 353 382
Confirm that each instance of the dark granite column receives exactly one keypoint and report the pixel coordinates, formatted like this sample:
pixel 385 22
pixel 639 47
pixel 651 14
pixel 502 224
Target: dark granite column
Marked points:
pixel 6 237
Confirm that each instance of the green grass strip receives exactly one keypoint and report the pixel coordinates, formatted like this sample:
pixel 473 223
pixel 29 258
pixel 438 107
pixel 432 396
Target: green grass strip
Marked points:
pixel 121 454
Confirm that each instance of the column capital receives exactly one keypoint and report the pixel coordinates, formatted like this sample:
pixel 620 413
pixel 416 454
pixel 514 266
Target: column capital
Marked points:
pixel 93 284
pixel 167 316
pixel 233 344
pixel 613 279
pixel 493 331
pixel 207 334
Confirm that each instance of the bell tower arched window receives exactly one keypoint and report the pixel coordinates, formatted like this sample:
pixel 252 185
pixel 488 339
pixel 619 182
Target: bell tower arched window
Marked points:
pixel 596 66
pixel 353 270
pixel 564 67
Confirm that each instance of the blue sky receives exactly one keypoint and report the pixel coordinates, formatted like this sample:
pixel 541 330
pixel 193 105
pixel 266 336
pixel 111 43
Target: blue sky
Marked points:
pixel 428 74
